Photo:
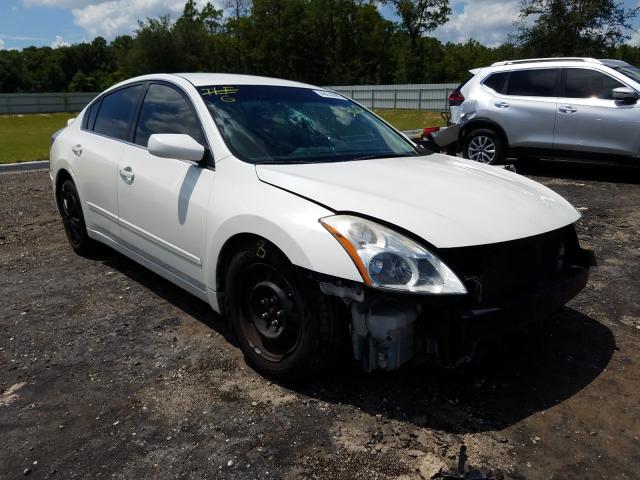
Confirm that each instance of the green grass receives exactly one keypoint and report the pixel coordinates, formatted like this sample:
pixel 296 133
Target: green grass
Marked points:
pixel 25 138
pixel 410 119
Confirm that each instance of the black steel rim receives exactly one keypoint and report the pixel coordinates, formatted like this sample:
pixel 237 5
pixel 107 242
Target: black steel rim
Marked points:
pixel 71 215
pixel 270 312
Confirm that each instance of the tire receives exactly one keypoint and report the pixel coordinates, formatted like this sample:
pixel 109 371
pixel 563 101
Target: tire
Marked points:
pixel 73 220
pixel 286 327
pixel 485 146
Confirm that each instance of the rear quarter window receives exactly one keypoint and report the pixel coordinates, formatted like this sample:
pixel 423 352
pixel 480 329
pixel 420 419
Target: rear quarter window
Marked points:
pixel 497 81
pixel 90 116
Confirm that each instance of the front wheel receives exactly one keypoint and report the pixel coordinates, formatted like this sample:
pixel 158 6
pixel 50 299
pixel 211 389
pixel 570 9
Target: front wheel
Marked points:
pixel 284 324
pixel 485 146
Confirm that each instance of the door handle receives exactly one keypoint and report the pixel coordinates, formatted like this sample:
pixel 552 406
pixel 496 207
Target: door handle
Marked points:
pixel 127 173
pixel 77 149
pixel 567 109
pixel 502 104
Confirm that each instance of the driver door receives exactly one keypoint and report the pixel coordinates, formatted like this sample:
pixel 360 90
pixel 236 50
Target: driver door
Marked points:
pixel 590 120
pixel 162 202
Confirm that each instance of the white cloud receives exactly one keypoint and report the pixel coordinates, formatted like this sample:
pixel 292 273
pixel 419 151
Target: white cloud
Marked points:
pixel 59 42
pixel 59 3
pixel 109 18
pixel 1 44
pixel 488 21
pixel 116 17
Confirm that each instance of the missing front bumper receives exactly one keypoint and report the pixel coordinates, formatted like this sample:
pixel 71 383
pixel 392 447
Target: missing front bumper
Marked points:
pixel 389 331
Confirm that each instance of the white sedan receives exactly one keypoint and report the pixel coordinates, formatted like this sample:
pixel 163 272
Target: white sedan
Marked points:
pixel 310 223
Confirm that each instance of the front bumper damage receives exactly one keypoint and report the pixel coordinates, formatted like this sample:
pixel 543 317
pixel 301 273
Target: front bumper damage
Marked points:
pixel 389 330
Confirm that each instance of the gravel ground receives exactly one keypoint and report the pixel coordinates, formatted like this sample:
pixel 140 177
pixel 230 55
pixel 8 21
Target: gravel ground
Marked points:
pixel 109 371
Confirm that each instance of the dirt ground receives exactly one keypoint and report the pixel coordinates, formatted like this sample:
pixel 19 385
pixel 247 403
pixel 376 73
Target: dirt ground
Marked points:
pixel 109 371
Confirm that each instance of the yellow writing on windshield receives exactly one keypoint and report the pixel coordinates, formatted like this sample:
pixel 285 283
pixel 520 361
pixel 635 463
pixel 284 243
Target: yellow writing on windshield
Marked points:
pixel 224 93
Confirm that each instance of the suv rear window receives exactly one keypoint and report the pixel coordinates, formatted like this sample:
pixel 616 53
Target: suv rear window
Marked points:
pixel 533 83
pixel 116 110
pixel 585 83
pixel 497 81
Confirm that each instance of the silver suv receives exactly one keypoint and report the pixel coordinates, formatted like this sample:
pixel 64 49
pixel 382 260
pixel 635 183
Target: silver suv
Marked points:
pixel 558 107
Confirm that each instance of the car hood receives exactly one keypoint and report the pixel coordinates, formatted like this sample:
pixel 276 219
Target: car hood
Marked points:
pixel 447 201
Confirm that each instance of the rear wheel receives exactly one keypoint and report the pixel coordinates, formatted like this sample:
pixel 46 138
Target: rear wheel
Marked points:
pixel 73 220
pixel 285 326
pixel 485 146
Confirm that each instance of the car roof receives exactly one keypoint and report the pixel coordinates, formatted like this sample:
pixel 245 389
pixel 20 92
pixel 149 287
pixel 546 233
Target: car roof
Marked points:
pixel 564 60
pixel 202 79
pixel 222 79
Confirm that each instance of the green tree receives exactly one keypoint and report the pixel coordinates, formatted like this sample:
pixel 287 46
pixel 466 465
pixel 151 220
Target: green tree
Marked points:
pixel 418 17
pixel 573 27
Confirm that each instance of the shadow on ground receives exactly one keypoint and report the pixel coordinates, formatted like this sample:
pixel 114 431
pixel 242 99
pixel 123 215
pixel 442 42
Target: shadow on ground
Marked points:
pixel 526 373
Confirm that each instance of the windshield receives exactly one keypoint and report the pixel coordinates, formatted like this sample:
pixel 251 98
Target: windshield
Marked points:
pixel 271 124
pixel 630 71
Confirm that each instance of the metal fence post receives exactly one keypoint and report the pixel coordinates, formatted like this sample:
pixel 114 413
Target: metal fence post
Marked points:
pixel 395 98
pixel 420 99
pixel 373 99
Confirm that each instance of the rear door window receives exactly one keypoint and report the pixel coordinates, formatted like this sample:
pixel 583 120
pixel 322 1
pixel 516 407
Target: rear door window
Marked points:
pixel 166 110
pixel 533 83
pixel 116 111
pixel 586 83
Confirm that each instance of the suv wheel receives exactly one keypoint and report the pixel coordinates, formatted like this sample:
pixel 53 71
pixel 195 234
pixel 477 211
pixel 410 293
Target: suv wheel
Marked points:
pixel 485 146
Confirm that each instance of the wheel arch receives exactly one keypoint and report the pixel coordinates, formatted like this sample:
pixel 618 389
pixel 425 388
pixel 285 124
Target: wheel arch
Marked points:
pixel 62 175
pixel 477 123
pixel 235 244
pixel 307 245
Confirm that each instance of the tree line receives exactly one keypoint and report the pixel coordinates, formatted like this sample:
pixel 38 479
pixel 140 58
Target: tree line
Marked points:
pixel 324 42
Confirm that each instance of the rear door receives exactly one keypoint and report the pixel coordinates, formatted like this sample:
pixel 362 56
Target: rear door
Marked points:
pixel 163 202
pixel 590 120
pixel 526 107
pixel 104 130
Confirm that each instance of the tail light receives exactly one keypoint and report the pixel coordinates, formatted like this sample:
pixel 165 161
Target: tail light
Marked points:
pixel 456 98
pixel 429 130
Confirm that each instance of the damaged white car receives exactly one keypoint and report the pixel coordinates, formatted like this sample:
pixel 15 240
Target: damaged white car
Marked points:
pixel 311 223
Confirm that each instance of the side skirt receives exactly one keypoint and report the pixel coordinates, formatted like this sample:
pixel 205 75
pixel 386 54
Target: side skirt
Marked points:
pixel 198 290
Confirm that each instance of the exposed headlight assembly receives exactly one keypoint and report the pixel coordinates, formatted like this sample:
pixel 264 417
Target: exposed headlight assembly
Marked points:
pixel 390 261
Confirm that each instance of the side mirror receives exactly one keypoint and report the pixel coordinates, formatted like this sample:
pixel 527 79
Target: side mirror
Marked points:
pixel 71 120
pixel 625 94
pixel 178 146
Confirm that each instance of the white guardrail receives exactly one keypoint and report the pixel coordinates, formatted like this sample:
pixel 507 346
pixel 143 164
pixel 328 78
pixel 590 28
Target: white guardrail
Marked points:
pixel 429 96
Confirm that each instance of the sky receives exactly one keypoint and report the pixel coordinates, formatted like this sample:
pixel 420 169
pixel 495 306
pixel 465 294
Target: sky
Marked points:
pixel 60 22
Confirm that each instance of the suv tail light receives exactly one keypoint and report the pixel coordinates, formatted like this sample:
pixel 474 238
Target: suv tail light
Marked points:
pixel 456 98
pixel 429 130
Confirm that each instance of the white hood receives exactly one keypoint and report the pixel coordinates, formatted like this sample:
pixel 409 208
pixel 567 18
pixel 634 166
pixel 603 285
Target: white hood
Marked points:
pixel 447 201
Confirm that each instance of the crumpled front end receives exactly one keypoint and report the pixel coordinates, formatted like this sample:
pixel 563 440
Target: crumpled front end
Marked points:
pixel 510 285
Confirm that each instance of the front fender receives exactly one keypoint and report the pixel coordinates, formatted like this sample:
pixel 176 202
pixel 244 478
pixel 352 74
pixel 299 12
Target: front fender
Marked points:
pixel 283 218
